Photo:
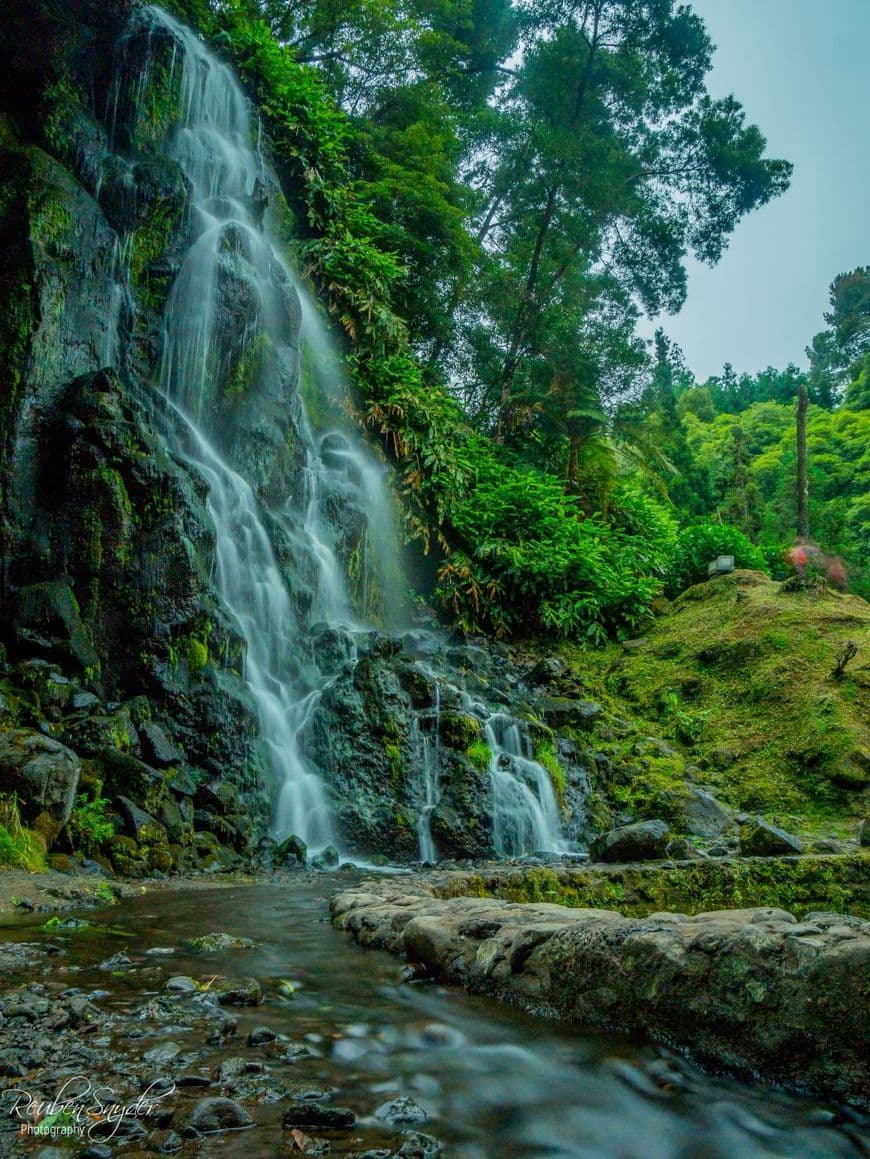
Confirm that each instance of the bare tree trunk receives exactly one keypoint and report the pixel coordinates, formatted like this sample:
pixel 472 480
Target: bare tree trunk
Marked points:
pixel 803 489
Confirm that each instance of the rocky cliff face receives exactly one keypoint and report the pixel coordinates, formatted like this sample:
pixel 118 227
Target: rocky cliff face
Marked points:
pixel 108 612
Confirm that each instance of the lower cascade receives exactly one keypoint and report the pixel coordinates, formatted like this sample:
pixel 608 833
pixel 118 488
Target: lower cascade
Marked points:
pixel 305 556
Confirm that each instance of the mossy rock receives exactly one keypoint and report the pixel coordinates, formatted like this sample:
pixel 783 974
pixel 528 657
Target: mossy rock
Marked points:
pixel 459 730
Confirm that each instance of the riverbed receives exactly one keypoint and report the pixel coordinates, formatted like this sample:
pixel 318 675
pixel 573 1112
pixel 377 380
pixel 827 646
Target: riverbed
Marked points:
pixel 491 1081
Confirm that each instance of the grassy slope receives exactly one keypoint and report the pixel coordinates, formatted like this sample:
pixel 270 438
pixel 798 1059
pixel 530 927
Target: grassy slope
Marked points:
pixel 737 675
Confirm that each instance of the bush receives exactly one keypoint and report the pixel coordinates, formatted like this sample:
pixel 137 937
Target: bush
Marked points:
pixel 697 546
pixel 89 826
pixel 19 847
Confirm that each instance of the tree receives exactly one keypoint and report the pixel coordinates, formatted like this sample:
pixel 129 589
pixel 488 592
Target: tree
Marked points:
pixel 834 352
pixel 803 518
pixel 607 149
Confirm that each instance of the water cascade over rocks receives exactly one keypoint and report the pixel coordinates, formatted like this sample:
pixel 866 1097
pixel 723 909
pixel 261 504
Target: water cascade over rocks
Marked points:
pixel 305 555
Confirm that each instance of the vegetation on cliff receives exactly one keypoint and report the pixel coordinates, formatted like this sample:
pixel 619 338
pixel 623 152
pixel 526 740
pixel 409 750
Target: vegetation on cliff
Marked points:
pixel 456 210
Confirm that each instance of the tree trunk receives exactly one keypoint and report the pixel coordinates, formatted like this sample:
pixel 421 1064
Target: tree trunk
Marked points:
pixel 803 489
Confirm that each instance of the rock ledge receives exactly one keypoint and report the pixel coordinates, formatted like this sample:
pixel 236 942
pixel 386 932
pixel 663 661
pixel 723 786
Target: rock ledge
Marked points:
pixel 754 990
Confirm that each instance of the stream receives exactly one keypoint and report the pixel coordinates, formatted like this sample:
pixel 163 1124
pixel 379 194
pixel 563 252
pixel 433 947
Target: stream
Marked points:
pixel 492 1081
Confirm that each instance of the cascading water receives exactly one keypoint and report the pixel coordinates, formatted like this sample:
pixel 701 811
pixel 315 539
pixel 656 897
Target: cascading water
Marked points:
pixel 234 312
pixel 430 768
pixel 230 247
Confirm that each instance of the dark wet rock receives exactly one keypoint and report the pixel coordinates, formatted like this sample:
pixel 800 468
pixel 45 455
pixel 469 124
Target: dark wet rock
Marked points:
pixel 291 851
pixel 294 1051
pixel 260 1036
pixel 416 1145
pixel 166 1052
pixel 703 815
pixel 181 984
pixel 760 839
pixel 43 773
pixel 216 1115
pixel 158 748
pixel 98 1151
pixel 246 992
pixel 400 1111
pixel 643 841
pixel 218 943
pixel 564 712
pixel 84 701
pixel 12 1064
pixel 231 1068
pixel 139 824
pixel 315 1115
pixel 182 783
pixel 119 961
pixel 328 858
pixel 773 981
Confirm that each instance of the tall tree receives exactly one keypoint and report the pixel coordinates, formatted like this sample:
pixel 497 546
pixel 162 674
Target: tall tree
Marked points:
pixel 616 155
pixel 834 352
pixel 803 490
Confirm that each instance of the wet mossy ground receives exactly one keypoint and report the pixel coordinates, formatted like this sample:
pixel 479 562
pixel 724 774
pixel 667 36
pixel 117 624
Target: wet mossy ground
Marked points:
pixel 737 678
pixel 836 884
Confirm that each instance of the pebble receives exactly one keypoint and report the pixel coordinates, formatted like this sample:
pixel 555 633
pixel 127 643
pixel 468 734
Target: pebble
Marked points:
pixel 314 1115
pixel 181 984
pixel 261 1035
pixel 400 1110
pixel 213 1116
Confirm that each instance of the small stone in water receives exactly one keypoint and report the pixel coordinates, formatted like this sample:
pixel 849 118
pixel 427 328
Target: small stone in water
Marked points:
pixel 166 1052
pixel 313 1115
pixel 261 1035
pixel 181 984
pixel 212 1116
pixel 401 1110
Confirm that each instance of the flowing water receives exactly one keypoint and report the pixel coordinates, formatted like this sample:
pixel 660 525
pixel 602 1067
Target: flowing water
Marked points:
pixel 493 1082
pixel 235 302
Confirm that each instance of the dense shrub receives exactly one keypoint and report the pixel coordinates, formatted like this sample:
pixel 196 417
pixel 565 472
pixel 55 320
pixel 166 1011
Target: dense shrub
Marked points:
pixel 520 553
pixel 698 545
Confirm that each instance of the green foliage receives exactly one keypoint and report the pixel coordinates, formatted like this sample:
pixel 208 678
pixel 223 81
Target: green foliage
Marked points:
pixel 480 754
pixel 699 544
pixel 796 885
pixel 545 754
pixel 532 561
pixel 89 825
pixel 394 240
pixel 20 848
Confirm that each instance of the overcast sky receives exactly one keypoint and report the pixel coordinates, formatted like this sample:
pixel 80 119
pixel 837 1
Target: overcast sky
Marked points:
pixel 801 70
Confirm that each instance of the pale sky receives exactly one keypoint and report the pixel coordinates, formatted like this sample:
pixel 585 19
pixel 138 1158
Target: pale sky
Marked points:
pixel 801 70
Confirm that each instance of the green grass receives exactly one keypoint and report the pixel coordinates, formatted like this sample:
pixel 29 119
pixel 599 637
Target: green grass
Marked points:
pixel 20 848
pixel 737 677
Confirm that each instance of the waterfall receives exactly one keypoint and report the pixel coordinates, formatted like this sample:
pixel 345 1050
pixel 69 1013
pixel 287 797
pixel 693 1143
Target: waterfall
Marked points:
pixel 431 771
pixel 233 258
pixel 230 334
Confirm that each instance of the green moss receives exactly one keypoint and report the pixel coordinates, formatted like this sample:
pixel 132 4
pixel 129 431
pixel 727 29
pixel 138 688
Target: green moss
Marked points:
pixel 798 885
pixel 459 730
pixel 740 668
pixel 150 240
pixel 480 754
pixel 51 225
pixel 659 791
pixel 247 369
pixel 545 754
pixel 394 756
pixel 20 848
pixel 196 654
pixel 158 108
pixel 89 824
